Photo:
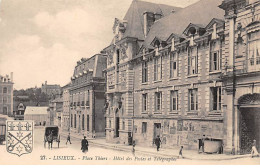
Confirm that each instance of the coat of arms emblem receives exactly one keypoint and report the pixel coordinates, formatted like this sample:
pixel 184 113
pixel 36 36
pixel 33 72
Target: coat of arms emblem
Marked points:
pixel 19 137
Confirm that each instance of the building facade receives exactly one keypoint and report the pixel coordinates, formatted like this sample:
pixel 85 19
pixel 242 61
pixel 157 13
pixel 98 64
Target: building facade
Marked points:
pixel 129 34
pixel 51 90
pixel 38 115
pixel 57 111
pixel 65 123
pixel 87 97
pixel 6 95
pixel 242 74
pixel 178 82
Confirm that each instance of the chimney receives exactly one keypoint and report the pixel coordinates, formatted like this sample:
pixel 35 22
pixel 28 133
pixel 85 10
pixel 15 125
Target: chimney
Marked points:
pixel 12 76
pixel 148 21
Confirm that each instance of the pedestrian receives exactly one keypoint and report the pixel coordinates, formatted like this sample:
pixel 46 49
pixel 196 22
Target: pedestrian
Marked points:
pixel 201 143
pixel 180 152
pixel 158 142
pixel 68 139
pixel 254 151
pixel 84 145
pixel 133 149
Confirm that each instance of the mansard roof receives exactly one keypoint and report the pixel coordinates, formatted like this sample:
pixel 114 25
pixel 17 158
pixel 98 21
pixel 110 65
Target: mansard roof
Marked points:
pixel 134 16
pixel 200 13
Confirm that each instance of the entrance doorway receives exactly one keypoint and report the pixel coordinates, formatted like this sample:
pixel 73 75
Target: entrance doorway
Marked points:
pixel 157 130
pixel 117 127
pixel 250 129
pixel 249 107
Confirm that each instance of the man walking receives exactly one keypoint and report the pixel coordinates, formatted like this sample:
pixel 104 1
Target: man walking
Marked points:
pixel 201 143
pixel 68 139
pixel 180 153
pixel 254 151
pixel 84 145
pixel 158 142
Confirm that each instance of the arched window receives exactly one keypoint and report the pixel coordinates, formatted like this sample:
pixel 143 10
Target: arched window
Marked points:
pixel 83 122
pixel 5 90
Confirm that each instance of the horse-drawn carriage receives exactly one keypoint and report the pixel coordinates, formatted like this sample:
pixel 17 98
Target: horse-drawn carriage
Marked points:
pixel 51 134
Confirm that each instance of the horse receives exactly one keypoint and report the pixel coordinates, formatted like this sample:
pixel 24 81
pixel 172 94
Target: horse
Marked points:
pixel 50 140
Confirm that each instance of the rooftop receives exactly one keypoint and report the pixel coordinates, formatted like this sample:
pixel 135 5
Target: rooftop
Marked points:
pixel 34 110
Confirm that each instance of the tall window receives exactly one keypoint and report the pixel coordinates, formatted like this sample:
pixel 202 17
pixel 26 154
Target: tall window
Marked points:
pixel 109 123
pixel 158 101
pixel 157 68
pixel 83 122
pixel 4 99
pixel 144 72
pixel 123 125
pixel 215 98
pixel 254 50
pixel 75 121
pixel 144 127
pixel 87 122
pixel 193 99
pixel 144 102
pixel 5 90
pixel 192 61
pixel 71 120
pixel 173 65
pixel 174 100
pixel 215 57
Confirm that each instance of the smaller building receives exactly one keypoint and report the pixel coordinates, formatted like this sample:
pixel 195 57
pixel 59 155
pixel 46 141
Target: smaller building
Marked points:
pixel 57 110
pixel 37 114
pixel 6 94
pixel 65 122
pixel 19 113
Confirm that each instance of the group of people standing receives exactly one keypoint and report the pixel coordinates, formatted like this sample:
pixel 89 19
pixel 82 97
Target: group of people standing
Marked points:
pixel 84 143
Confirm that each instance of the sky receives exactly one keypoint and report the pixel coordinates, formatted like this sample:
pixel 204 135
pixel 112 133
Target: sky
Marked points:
pixel 41 40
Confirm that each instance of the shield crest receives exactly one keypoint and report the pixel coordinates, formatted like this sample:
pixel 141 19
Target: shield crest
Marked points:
pixel 19 137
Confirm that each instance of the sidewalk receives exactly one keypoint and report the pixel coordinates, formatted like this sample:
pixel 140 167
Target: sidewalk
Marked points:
pixel 187 154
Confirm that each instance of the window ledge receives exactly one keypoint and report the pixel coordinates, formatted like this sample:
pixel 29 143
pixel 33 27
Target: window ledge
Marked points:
pixel 215 72
pixel 157 81
pixel 174 112
pixel 192 76
pixel 145 83
pixel 192 113
pixel 144 113
pixel 174 78
pixel 156 112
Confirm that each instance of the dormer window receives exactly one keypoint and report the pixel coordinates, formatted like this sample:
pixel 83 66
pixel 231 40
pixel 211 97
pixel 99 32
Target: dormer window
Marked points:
pixel 173 44
pixel 192 61
pixel 214 33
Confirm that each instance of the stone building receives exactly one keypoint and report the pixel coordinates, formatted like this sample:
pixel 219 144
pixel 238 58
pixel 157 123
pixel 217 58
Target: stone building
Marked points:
pixel 57 111
pixel 65 123
pixel 129 35
pixel 87 97
pixel 37 114
pixel 241 76
pixel 51 90
pixel 6 94
pixel 185 78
